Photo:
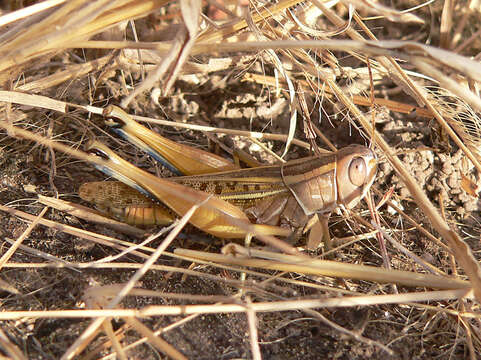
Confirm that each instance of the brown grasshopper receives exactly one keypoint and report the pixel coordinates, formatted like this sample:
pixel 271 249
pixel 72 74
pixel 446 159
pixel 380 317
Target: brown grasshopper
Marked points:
pixel 281 197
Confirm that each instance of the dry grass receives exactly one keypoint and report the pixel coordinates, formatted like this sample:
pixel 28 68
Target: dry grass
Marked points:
pixel 242 78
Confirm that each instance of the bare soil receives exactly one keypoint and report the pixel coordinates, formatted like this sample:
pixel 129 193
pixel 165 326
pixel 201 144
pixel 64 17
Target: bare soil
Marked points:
pixel 284 335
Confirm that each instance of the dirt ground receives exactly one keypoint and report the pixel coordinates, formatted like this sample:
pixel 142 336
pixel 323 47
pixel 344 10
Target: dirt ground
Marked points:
pixel 283 335
pixel 222 99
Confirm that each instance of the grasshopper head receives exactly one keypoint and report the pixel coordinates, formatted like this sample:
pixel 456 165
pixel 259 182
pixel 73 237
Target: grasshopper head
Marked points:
pixel 356 170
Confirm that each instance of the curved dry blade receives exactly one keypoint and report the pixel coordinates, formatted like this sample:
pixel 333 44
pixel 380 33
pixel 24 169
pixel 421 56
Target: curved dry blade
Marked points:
pixel 184 160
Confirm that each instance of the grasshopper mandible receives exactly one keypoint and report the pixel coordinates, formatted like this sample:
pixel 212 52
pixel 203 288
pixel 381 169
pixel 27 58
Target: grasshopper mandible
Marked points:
pixel 282 197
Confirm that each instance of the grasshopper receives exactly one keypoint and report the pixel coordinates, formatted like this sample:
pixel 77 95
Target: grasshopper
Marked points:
pixel 278 199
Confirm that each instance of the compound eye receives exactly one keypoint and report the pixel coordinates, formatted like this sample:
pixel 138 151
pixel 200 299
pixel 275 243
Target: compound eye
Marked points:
pixel 357 171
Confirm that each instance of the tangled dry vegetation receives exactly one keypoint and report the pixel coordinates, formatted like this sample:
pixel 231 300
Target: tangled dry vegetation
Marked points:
pixel 268 78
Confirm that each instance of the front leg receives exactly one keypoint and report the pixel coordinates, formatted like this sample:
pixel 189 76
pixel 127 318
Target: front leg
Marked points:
pixel 319 232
